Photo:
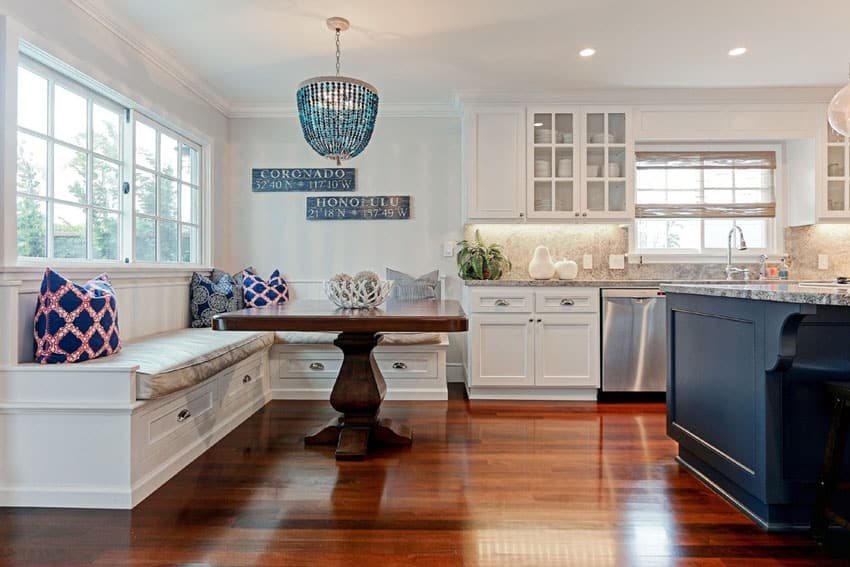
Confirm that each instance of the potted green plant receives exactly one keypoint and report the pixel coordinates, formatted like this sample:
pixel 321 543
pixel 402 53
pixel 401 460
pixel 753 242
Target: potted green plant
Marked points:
pixel 477 261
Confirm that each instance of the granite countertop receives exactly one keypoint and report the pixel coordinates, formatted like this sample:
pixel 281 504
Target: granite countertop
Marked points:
pixel 781 292
pixel 595 283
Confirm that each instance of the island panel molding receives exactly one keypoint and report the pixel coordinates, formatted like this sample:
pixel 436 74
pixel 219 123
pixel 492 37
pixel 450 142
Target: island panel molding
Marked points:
pixel 292 179
pixel 372 207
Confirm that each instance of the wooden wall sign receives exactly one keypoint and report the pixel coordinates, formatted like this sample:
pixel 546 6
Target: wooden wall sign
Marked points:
pixel 391 207
pixel 302 179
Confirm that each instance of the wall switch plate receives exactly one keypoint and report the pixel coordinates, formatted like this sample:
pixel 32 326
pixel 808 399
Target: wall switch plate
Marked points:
pixel 823 261
pixel 448 248
pixel 617 261
pixel 587 262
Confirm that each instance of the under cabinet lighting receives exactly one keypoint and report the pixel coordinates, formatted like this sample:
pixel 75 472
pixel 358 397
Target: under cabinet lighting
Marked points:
pixel 736 51
pixel 587 52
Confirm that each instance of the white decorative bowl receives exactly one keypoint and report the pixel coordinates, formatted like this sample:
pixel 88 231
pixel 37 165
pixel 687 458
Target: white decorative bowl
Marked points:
pixel 363 294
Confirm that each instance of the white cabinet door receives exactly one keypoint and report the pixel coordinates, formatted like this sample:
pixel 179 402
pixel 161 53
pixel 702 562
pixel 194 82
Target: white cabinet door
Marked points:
pixel 607 151
pixel 494 152
pixel 502 350
pixel 567 350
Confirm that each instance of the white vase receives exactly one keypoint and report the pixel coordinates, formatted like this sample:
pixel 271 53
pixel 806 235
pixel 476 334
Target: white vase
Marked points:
pixel 567 269
pixel 541 266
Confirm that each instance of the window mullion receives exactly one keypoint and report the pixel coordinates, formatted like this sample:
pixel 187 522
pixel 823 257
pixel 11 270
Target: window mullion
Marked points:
pixel 128 221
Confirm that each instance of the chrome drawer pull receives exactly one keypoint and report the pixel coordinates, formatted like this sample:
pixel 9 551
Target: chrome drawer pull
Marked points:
pixel 399 366
pixel 317 366
pixel 247 378
pixel 502 302
pixel 184 415
pixel 567 301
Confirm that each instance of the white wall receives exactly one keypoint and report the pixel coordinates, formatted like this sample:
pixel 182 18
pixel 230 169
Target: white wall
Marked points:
pixel 65 31
pixel 419 157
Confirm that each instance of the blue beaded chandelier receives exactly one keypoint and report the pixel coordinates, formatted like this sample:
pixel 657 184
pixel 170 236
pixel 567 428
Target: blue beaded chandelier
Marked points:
pixel 337 113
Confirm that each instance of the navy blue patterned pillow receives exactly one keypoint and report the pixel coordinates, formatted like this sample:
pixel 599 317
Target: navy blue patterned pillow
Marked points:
pixel 217 274
pixel 75 322
pixel 208 298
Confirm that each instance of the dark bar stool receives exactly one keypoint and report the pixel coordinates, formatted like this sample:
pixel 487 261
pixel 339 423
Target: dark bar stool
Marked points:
pixel 839 393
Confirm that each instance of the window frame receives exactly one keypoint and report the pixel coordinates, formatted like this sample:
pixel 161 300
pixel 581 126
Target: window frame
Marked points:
pixel 775 225
pixel 40 62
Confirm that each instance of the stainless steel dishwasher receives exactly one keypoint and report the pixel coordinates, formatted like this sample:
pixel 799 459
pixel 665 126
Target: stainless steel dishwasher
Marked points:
pixel 634 340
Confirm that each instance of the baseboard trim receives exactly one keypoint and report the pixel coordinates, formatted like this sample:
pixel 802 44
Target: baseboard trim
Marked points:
pixel 455 372
pixel 417 394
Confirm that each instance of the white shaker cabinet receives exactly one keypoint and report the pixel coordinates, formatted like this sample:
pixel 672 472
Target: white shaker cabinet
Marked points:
pixel 494 162
pixel 533 344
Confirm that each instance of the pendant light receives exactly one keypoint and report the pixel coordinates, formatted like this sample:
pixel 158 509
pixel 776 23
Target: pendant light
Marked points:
pixel 839 111
pixel 337 113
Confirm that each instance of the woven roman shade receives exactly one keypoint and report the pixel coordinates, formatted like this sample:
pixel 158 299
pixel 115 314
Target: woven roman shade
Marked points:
pixel 707 184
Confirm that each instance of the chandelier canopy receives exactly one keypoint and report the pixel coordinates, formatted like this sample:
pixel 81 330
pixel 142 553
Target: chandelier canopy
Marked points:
pixel 337 113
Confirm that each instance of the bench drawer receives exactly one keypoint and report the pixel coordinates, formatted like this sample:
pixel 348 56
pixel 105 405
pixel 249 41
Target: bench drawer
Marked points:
pixel 407 364
pixel 501 300
pixel 242 380
pixel 312 363
pixel 567 300
pixel 189 414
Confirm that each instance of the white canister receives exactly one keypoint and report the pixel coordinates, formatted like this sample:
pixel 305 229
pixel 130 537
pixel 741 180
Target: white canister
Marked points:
pixel 593 170
pixel 541 266
pixel 565 167
pixel 613 170
pixel 567 269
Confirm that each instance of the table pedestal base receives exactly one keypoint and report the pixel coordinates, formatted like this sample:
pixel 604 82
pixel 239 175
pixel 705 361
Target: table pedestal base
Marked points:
pixel 353 440
pixel 357 394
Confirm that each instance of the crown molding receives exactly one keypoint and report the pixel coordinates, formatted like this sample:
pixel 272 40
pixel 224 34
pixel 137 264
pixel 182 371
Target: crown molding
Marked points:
pixel 385 110
pixel 631 96
pixel 178 71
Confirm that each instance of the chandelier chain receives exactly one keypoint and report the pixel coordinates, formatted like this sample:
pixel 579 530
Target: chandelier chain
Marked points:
pixel 337 52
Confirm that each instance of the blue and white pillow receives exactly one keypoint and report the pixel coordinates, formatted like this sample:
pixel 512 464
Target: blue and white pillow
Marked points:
pixel 75 322
pixel 217 274
pixel 208 298
pixel 261 293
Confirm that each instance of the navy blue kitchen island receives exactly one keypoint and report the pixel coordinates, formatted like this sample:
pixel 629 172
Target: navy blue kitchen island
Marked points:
pixel 745 398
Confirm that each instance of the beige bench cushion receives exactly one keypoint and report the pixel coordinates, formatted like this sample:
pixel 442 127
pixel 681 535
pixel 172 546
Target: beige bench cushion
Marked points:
pixel 178 359
pixel 388 339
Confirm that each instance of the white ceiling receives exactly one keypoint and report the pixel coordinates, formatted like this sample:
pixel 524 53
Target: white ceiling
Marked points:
pixel 255 52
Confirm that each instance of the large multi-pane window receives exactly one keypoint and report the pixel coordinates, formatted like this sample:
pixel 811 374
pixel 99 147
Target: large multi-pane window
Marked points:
pixel 688 201
pixel 94 184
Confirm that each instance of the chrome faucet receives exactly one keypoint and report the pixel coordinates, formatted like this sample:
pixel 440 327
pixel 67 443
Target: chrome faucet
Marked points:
pixel 742 245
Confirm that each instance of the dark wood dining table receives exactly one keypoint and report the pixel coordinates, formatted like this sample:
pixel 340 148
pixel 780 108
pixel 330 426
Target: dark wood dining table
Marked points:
pixel 359 389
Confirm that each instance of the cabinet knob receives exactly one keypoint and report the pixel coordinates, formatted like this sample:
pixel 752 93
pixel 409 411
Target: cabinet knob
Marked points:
pixel 567 301
pixel 540 320
pixel 502 303
pixel 584 214
pixel 184 415
pixel 531 320
pixel 576 213
pixel 317 366
pixel 247 378
pixel 399 366
pixel 521 215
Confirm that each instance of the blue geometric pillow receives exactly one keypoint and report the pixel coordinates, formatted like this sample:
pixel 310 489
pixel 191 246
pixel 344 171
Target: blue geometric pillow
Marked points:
pixel 208 298
pixel 260 293
pixel 75 322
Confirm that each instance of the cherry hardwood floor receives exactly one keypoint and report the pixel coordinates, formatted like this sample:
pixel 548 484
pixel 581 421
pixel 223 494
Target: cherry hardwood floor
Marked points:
pixel 485 483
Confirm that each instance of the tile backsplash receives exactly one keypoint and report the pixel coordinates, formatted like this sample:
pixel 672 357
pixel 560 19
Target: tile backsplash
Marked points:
pixel 803 245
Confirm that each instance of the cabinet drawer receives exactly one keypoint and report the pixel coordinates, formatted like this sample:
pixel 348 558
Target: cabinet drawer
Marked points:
pixel 310 364
pixel 503 300
pixel 181 414
pixel 567 300
pixel 241 380
pixel 407 364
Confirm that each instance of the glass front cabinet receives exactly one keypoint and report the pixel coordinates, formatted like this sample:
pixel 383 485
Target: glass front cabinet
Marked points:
pixel 836 201
pixel 580 163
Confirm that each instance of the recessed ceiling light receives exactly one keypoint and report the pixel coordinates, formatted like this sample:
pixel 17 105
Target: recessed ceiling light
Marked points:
pixel 587 52
pixel 736 51
pixel 538 124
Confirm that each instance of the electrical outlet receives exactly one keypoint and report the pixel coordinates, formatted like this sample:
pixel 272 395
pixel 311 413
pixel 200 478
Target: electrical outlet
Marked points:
pixel 448 248
pixel 823 261
pixel 587 262
pixel 617 261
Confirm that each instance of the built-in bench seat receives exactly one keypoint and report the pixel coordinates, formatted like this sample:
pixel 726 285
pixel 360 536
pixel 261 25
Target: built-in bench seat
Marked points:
pixel 175 360
pixel 106 433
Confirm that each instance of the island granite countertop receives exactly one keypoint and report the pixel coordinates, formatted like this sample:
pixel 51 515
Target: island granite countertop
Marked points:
pixel 781 292
pixel 599 283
